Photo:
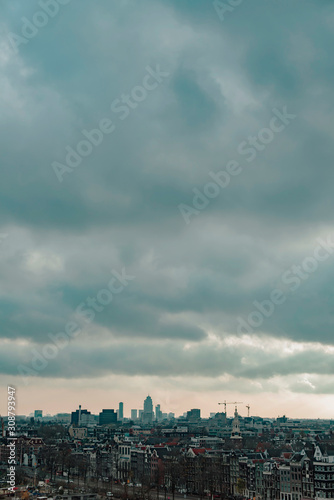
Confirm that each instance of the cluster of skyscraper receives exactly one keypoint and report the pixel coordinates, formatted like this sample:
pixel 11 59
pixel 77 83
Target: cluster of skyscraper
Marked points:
pixel 147 414
pixel 109 416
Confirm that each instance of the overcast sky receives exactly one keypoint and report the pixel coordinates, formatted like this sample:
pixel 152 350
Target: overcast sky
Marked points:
pixel 184 91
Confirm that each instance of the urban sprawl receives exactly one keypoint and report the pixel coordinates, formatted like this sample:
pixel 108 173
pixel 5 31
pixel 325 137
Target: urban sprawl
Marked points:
pixel 156 455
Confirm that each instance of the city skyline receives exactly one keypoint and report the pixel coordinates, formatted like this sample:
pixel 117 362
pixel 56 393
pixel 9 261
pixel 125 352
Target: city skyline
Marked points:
pixel 255 411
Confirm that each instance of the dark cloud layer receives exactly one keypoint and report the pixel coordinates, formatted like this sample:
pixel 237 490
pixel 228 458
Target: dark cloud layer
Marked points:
pixel 119 207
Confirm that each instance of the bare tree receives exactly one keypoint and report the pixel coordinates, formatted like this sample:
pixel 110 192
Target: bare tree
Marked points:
pixel 48 457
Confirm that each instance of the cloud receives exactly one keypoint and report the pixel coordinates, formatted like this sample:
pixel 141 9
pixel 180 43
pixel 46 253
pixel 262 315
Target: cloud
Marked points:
pixel 119 207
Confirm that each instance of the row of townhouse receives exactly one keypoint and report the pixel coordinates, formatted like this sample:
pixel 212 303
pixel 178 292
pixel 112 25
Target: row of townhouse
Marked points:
pixel 304 476
pixel 126 462
pixel 140 464
pixel 183 465
pixel 300 476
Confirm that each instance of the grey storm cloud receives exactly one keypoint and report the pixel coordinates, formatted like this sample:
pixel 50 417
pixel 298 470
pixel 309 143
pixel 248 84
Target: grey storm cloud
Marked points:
pixel 119 207
pixel 240 363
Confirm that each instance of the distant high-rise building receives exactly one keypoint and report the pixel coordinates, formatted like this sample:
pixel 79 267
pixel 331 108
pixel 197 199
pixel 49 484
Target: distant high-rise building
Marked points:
pixel 120 411
pixel 158 413
pixel 148 411
pixel 107 417
pixel 133 415
pixel 140 414
pixel 38 414
pixel 171 415
pixel 194 414
pixel 76 416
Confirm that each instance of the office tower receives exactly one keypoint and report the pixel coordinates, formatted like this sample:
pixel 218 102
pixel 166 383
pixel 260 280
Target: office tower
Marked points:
pixel 76 416
pixel 158 413
pixel 194 414
pixel 134 415
pixel 140 415
pixel 38 414
pixel 120 411
pixel 107 417
pixel 148 411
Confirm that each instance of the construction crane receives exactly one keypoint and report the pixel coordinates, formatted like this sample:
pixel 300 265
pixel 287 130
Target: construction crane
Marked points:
pixel 233 403
pixel 248 407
